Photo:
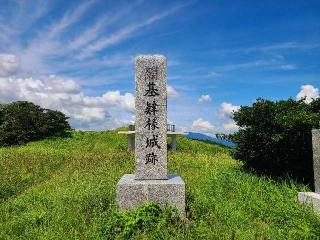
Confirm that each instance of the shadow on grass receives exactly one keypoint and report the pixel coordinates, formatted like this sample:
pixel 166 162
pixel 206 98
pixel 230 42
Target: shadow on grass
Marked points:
pixel 282 178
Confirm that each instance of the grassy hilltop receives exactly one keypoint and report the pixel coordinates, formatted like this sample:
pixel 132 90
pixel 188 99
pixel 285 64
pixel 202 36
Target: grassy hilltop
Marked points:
pixel 64 188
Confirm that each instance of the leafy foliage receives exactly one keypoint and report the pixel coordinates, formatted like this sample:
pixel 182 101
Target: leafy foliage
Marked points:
pixel 275 137
pixel 148 218
pixel 22 121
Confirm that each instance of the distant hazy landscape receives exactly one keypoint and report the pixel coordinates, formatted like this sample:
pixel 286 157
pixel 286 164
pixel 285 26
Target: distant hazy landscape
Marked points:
pixel 203 137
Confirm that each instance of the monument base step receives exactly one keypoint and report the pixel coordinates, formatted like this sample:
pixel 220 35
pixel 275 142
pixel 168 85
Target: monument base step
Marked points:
pixel 131 193
pixel 311 198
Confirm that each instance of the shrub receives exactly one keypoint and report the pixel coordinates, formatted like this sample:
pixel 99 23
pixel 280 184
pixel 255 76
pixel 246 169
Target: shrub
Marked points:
pixel 22 121
pixel 148 218
pixel 275 137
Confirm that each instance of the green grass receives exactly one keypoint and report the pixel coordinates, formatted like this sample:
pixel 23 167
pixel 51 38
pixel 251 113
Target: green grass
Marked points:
pixel 65 189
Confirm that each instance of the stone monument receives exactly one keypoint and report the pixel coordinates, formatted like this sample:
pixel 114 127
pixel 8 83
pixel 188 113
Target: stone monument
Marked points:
pixel 313 198
pixel 151 181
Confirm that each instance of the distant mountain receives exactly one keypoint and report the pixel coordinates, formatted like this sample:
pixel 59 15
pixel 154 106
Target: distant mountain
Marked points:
pixel 203 137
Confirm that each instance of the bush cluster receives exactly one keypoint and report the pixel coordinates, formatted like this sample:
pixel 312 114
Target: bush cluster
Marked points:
pixel 275 137
pixel 23 121
pixel 148 218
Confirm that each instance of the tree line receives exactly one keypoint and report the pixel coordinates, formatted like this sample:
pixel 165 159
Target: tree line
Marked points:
pixel 22 121
pixel 274 137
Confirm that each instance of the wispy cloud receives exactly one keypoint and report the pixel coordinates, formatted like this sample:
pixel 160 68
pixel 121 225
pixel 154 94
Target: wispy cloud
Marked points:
pixel 25 15
pixel 277 63
pixel 288 67
pixel 201 74
pixel 257 63
pixel 92 33
pixel 29 12
pixel 48 44
pixel 69 19
pixel 124 33
pixel 274 47
pixel 39 53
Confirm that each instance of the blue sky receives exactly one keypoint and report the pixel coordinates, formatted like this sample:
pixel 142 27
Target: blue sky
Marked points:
pixel 78 56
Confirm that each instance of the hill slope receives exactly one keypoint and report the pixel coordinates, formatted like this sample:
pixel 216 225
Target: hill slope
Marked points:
pixel 203 137
pixel 65 189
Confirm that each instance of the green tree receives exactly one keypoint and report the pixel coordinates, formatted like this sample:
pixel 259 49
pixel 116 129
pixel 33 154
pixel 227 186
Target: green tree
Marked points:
pixel 275 137
pixel 23 121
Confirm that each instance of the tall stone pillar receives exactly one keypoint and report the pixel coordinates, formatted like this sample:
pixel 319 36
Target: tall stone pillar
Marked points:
pixel 151 181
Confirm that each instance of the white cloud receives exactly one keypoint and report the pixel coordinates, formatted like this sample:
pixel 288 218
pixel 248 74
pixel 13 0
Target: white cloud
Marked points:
pixel 91 33
pixel 230 126
pixel 200 125
pixel 288 67
pixel 227 109
pixel 90 112
pixel 124 33
pixel 37 54
pixel 308 91
pixel 8 64
pixel 204 98
pixel 205 127
pixel 25 15
pixel 69 19
pixel 274 47
pixel 172 92
pixel 211 74
pixel 258 63
pixel 59 40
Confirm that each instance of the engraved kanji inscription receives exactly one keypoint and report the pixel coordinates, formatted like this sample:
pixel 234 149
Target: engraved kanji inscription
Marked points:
pixel 151 124
pixel 152 142
pixel 151 158
pixel 151 91
pixel 151 73
pixel 151 108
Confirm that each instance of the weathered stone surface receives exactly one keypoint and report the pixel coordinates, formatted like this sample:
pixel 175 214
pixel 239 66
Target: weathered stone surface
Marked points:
pixel 310 198
pixel 132 193
pixel 151 117
pixel 316 158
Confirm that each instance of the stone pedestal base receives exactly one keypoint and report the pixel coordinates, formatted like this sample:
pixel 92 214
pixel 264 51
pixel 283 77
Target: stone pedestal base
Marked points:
pixel 132 193
pixel 310 198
